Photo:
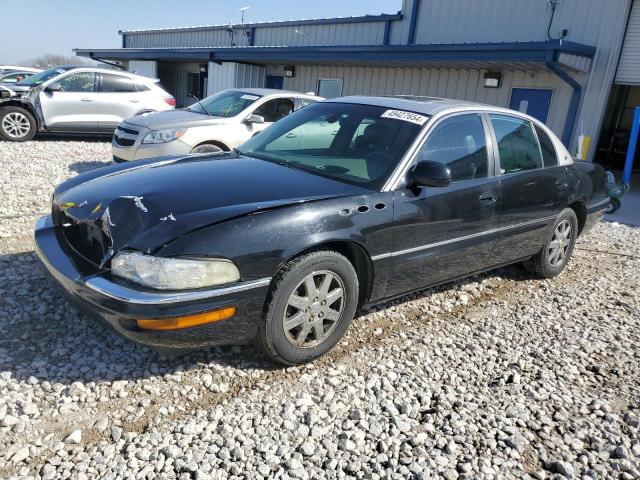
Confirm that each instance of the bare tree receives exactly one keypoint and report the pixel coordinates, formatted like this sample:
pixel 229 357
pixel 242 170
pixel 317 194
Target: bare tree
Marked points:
pixel 49 60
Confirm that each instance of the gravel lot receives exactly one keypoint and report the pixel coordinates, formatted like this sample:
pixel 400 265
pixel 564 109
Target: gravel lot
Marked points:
pixel 499 376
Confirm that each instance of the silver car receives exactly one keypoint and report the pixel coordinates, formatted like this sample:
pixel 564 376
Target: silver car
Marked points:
pixel 78 99
pixel 218 123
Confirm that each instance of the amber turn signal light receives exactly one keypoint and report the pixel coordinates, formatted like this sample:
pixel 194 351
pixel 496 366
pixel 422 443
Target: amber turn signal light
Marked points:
pixel 188 321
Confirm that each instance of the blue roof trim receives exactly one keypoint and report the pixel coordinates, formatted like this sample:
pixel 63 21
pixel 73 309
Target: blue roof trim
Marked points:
pixel 514 51
pixel 313 21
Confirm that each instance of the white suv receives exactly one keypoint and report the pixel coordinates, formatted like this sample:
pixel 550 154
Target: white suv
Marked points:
pixel 78 99
pixel 217 123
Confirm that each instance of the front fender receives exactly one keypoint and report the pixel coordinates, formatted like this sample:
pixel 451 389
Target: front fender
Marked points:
pixel 261 243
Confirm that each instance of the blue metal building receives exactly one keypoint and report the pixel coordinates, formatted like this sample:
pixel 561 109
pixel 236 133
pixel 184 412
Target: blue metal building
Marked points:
pixel 558 60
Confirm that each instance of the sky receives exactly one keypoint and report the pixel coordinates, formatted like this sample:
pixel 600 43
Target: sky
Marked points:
pixel 56 27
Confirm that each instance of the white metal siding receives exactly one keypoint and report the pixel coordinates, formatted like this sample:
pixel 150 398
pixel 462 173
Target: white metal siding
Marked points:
pixel 249 76
pixel 599 23
pixel 369 33
pixel 629 66
pixel 459 84
pixel 221 77
pixel 234 75
pixel 143 67
pixel 363 33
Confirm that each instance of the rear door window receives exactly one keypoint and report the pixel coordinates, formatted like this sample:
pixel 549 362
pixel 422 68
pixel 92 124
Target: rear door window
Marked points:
pixel 549 154
pixel 518 147
pixel 116 84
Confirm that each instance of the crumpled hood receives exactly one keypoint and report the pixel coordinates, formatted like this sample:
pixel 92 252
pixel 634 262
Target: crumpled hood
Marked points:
pixel 146 206
pixel 174 119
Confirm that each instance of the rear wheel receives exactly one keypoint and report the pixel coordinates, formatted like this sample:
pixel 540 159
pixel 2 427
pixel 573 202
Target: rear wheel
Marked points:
pixel 16 124
pixel 311 304
pixel 557 250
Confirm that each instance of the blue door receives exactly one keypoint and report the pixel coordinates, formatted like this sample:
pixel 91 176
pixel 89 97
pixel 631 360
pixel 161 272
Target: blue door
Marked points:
pixel 532 101
pixel 275 81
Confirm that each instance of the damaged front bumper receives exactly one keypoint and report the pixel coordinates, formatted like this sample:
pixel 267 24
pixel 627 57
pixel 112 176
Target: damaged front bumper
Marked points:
pixel 120 305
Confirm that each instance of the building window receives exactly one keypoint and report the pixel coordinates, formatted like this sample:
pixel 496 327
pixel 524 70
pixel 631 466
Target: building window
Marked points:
pixel 329 87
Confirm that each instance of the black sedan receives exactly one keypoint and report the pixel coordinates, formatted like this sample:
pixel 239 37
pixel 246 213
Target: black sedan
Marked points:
pixel 342 204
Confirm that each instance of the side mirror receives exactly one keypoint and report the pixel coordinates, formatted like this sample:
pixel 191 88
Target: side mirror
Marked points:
pixel 429 174
pixel 54 87
pixel 254 119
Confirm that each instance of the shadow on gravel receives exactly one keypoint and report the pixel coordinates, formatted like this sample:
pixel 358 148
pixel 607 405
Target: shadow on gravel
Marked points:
pixel 72 137
pixel 85 166
pixel 45 339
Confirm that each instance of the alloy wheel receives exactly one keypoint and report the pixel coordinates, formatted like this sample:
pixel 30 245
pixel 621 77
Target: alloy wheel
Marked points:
pixel 560 243
pixel 313 309
pixel 16 125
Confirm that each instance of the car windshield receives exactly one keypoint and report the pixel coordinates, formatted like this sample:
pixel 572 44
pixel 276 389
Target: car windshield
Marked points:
pixel 224 104
pixel 358 144
pixel 38 78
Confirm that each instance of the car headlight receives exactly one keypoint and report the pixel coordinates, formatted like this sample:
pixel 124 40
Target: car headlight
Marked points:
pixel 164 136
pixel 173 273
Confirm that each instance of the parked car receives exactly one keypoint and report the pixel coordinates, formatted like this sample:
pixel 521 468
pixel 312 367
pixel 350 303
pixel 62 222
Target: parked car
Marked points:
pixel 17 68
pixel 217 123
pixel 15 77
pixel 282 244
pixel 78 99
pixel 5 93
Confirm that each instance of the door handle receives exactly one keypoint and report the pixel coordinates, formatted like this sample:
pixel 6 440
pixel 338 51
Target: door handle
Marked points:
pixel 133 100
pixel 85 99
pixel 488 198
pixel 561 184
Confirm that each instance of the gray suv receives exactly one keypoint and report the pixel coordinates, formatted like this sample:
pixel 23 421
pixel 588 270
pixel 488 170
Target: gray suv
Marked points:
pixel 78 99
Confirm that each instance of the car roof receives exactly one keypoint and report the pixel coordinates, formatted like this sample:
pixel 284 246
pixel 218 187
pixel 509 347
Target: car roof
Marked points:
pixel 414 103
pixel 20 68
pixel 98 68
pixel 273 91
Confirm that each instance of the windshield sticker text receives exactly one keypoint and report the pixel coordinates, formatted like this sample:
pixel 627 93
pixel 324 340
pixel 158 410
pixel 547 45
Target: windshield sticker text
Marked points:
pixel 249 97
pixel 406 116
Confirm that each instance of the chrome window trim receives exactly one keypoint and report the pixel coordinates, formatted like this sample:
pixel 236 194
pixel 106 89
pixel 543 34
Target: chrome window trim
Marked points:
pixel 461 239
pixel 125 294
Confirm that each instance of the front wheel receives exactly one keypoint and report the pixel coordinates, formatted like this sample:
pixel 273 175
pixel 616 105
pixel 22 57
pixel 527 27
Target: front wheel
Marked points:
pixel 558 247
pixel 17 124
pixel 310 305
pixel 206 148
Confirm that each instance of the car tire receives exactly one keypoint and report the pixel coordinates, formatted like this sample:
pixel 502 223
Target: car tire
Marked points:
pixel 17 124
pixel 207 148
pixel 556 252
pixel 296 329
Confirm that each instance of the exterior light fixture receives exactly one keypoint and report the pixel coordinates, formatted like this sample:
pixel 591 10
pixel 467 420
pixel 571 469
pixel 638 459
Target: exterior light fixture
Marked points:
pixel 492 79
pixel 289 71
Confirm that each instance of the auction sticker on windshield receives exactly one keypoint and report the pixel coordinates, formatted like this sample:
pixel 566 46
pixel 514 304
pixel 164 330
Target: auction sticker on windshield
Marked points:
pixel 406 116
pixel 249 97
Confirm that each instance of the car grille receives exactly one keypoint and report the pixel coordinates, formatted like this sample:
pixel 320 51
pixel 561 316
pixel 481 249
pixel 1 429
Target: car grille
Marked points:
pixel 86 238
pixel 125 137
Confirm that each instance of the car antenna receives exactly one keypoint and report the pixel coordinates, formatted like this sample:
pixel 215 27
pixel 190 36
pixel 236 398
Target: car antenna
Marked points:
pixel 192 95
